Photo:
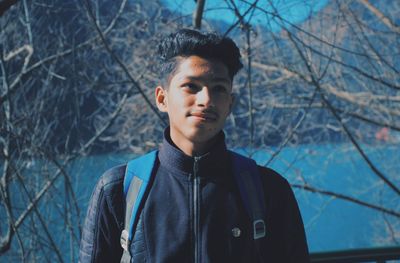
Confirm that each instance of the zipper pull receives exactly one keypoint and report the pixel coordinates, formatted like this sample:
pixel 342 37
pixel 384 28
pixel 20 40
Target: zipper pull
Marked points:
pixel 196 165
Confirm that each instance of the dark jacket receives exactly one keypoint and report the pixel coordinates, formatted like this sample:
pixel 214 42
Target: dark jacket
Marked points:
pixel 184 218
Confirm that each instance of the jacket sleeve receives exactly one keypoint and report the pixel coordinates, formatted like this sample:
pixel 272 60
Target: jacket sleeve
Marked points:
pixel 101 232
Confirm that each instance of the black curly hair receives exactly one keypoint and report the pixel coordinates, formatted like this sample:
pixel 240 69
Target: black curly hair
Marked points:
pixel 188 42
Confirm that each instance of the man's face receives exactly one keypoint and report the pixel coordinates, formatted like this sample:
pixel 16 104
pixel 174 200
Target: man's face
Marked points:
pixel 198 100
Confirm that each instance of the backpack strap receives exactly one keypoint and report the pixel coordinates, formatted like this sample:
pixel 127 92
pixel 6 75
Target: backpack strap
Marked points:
pixel 249 182
pixel 137 176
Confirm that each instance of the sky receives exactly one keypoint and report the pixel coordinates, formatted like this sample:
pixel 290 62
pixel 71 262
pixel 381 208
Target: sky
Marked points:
pixel 294 11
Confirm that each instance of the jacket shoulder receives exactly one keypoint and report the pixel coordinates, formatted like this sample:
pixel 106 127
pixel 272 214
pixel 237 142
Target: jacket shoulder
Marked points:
pixel 111 178
pixel 272 176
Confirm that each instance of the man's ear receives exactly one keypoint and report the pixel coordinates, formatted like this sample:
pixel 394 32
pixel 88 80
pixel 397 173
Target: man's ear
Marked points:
pixel 161 99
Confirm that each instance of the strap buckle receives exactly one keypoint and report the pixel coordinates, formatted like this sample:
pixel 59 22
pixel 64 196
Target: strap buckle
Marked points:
pixel 258 229
pixel 125 240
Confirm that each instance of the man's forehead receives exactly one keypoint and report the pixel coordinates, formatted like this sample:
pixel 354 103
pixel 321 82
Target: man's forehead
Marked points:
pixel 197 68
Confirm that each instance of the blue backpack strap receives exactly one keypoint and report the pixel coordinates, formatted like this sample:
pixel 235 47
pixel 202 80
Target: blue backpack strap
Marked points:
pixel 137 176
pixel 248 179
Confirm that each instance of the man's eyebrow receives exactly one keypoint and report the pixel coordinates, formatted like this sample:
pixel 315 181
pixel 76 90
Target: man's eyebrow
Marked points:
pixel 216 79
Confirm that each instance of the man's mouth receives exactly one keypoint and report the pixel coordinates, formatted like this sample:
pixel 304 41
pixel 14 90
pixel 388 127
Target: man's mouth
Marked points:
pixel 205 115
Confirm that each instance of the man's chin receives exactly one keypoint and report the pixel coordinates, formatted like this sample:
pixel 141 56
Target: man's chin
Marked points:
pixel 203 135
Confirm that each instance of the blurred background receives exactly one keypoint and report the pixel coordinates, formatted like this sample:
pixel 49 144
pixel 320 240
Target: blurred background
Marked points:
pixel 318 100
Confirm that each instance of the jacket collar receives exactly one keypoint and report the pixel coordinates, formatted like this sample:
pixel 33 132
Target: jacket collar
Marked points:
pixel 216 160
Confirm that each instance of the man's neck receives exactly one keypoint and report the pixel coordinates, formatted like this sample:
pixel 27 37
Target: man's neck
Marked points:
pixel 191 148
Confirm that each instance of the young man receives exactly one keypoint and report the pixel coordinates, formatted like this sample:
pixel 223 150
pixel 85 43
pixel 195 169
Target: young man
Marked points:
pixel 193 210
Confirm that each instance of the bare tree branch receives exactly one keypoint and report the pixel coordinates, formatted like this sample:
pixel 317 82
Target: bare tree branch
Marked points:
pixel 347 198
pixel 386 20
pixel 198 14
pixel 122 65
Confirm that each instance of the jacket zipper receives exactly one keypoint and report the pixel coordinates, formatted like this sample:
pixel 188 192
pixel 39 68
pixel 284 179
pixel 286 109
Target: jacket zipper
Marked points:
pixel 196 209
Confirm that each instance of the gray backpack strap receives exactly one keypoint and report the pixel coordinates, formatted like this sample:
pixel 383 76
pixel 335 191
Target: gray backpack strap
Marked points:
pixel 131 199
pixel 137 176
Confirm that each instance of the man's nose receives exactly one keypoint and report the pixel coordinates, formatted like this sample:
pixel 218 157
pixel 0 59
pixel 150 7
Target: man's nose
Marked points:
pixel 204 97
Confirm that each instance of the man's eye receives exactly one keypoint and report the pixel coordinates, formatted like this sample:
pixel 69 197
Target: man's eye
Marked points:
pixel 191 86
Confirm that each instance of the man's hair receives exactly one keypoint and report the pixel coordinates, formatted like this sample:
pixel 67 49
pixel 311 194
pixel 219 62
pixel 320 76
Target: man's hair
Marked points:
pixel 187 42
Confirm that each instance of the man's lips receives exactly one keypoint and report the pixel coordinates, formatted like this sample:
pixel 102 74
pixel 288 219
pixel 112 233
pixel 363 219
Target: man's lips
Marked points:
pixel 206 115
